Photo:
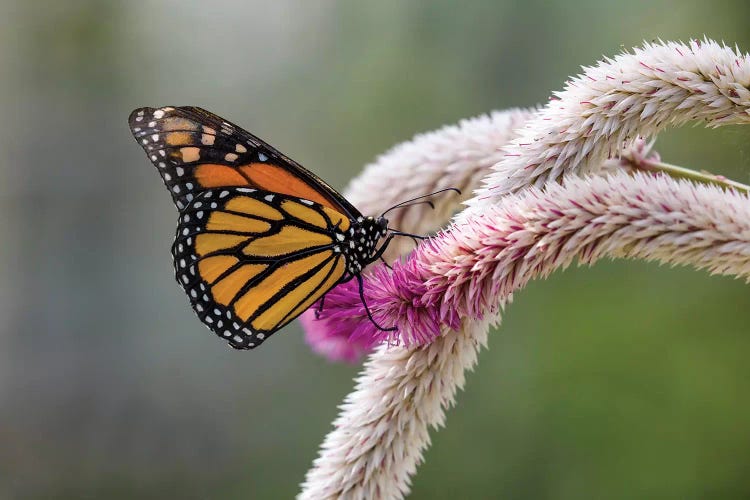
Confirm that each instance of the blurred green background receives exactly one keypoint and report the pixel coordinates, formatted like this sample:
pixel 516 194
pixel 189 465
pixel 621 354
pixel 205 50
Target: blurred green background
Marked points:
pixel 627 380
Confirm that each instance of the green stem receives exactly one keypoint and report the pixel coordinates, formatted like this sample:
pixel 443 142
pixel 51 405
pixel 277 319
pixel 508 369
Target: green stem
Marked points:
pixel 686 173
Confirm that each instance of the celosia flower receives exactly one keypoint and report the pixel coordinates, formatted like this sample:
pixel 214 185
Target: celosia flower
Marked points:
pixel 466 272
pixel 472 267
pixel 631 95
pixel 455 156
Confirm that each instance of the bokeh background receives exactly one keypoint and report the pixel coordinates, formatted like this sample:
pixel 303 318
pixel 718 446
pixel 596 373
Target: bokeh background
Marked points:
pixel 626 380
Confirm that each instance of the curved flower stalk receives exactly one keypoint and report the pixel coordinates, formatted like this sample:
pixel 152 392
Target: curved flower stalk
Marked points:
pixel 452 286
pixel 610 104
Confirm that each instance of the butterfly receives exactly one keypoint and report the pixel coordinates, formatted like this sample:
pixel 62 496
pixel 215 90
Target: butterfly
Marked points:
pixel 259 238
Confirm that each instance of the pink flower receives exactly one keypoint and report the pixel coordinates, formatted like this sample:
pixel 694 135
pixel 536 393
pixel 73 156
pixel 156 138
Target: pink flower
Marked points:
pixel 336 332
pixel 454 156
pixel 471 268
pixel 522 225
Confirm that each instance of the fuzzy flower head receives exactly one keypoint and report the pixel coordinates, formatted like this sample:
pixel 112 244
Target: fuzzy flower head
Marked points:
pixel 469 270
pixel 606 108
pixel 530 217
pixel 455 156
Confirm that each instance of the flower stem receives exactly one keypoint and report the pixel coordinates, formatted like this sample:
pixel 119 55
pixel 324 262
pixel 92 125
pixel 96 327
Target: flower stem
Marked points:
pixel 677 172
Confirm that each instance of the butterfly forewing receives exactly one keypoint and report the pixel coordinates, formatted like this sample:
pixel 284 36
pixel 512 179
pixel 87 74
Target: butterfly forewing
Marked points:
pixel 251 261
pixel 195 150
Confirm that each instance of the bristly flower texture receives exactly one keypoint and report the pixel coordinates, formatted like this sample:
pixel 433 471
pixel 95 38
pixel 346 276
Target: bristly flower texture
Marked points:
pixel 533 214
pixel 620 99
pixel 454 156
pixel 471 268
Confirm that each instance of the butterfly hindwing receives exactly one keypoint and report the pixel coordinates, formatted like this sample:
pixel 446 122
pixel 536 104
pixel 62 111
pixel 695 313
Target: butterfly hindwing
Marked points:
pixel 251 261
pixel 195 150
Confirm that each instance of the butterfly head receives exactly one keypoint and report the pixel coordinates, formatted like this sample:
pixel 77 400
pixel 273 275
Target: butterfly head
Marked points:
pixel 373 229
pixel 360 243
pixel 381 223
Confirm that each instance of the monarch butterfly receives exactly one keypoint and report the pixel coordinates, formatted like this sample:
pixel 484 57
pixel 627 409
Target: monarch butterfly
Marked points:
pixel 259 238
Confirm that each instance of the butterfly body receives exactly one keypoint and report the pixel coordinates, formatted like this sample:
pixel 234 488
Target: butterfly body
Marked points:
pixel 259 238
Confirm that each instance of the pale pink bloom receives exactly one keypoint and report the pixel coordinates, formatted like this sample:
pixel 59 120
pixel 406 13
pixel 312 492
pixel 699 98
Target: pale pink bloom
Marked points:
pixel 449 289
pixel 454 156
pixel 468 271
pixel 612 103
pixel 471 268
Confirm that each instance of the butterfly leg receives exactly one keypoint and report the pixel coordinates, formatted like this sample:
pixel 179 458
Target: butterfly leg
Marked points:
pixel 379 253
pixel 319 309
pixel 367 309
pixel 415 237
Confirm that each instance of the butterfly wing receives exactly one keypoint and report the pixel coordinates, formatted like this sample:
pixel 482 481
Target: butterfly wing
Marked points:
pixel 251 261
pixel 195 150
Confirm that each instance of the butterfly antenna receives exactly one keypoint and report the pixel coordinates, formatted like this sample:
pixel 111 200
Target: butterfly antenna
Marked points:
pixel 407 203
